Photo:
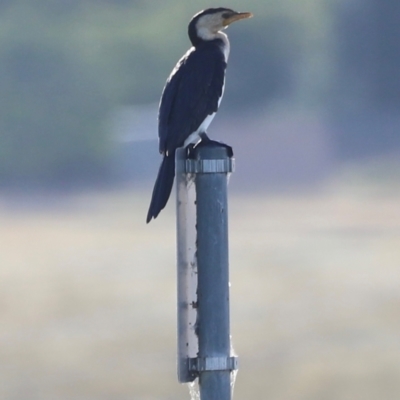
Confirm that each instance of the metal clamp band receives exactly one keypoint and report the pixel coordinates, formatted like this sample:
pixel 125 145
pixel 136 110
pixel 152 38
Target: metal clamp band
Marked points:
pixel 201 364
pixel 209 166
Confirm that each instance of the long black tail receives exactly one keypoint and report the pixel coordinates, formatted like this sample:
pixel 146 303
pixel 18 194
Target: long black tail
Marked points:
pixel 163 186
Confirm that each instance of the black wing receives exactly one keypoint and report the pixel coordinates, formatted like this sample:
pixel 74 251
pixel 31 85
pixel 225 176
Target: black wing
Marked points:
pixel 191 93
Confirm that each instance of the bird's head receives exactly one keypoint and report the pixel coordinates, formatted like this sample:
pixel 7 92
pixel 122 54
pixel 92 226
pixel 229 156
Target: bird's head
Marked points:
pixel 206 24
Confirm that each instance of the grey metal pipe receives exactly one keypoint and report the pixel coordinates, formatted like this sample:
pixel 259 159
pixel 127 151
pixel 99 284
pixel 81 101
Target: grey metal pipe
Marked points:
pixel 213 275
pixel 206 269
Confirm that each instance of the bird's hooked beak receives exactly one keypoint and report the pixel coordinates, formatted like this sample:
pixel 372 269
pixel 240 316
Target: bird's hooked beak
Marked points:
pixel 236 16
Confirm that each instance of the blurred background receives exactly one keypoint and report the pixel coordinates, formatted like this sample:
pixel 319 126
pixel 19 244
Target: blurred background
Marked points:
pixel 311 108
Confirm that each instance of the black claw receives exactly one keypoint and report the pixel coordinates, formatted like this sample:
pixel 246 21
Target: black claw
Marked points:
pixel 190 150
pixel 204 138
pixel 206 141
pixel 209 142
pixel 229 149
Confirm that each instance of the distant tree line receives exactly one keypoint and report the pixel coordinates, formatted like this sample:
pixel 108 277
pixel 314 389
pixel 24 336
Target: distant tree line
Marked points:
pixel 366 89
pixel 65 65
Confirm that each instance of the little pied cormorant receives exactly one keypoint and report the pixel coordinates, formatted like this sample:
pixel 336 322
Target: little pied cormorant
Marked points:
pixel 192 94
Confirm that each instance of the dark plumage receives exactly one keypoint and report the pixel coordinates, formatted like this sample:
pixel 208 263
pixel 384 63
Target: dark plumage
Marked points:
pixel 191 95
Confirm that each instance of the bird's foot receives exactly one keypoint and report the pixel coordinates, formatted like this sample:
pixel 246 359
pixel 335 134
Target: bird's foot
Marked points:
pixel 206 141
pixel 190 150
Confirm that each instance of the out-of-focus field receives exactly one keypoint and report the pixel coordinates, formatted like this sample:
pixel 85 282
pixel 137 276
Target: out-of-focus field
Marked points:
pixel 87 295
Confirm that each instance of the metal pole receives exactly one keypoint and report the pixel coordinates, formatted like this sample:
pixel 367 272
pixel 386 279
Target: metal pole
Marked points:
pixel 207 268
pixel 213 278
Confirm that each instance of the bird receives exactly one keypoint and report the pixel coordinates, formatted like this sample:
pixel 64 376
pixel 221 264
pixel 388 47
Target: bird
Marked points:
pixel 192 95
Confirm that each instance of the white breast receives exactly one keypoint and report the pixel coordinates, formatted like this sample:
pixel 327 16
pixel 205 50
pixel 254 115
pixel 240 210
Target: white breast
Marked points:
pixel 226 47
pixel 194 137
